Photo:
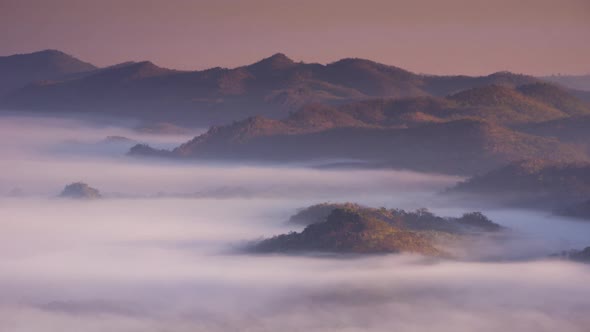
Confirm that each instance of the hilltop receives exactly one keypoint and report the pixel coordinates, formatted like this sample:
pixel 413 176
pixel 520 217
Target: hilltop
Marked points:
pixel 351 228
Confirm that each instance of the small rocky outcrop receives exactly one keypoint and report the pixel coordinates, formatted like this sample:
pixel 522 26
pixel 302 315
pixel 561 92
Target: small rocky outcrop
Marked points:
pixel 80 190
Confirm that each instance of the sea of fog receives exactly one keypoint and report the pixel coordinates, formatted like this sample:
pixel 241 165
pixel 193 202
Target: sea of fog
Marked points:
pixel 161 251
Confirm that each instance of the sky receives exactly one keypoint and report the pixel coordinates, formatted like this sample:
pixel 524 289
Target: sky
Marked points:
pixel 471 37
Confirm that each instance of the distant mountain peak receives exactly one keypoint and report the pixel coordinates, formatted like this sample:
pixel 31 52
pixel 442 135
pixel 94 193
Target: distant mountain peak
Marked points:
pixel 350 62
pixel 39 53
pixel 51 55
pixel 354 60
pixel 275 61
pixel 279 57
pixel 134 70
pixel 145 65
pixel 50 51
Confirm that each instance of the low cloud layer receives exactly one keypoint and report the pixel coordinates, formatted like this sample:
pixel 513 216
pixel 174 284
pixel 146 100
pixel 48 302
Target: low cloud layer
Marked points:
pixel 170 264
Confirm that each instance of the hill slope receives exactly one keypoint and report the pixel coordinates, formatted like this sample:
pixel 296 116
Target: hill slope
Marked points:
pixel 537 183
pixel 571 129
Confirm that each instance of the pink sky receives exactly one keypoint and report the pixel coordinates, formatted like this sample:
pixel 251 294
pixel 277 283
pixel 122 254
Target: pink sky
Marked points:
pixel 428 36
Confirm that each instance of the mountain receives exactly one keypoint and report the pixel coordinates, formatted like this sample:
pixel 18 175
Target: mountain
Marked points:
pixel 576 82
pixel 531 183
pixel 462 146
pixel 351 228
pixel 18 70
pixel 80 190
pixel 272 87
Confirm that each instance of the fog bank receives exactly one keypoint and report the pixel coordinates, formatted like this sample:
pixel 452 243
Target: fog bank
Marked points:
pixel 138 261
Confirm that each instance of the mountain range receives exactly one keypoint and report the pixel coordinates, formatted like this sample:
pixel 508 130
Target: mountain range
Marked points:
pixel 52 81
pixel 353 109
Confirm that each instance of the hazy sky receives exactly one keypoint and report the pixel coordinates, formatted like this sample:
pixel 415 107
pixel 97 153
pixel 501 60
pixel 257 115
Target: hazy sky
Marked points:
pixel 430 36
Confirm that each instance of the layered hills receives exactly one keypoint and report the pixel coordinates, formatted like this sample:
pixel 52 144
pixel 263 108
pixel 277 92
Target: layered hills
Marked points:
pixel 466 133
